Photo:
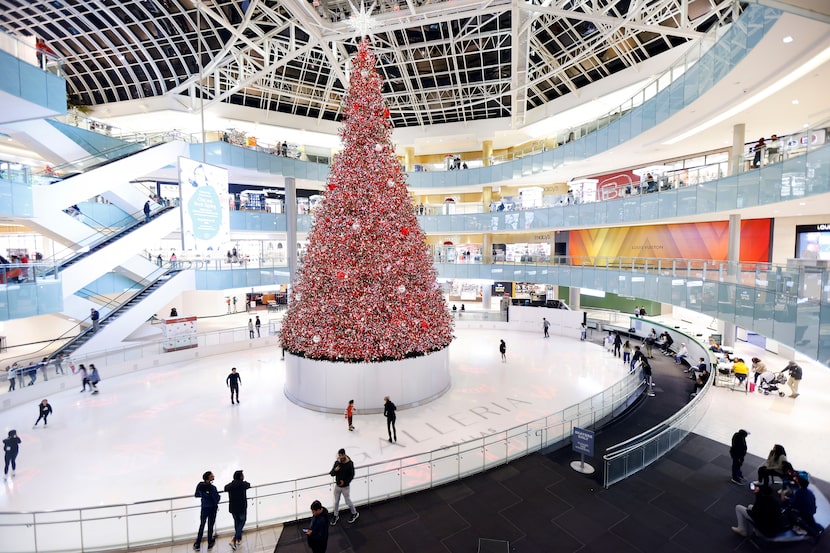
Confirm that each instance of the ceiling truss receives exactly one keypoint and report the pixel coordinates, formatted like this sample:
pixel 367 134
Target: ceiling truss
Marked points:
pixel 441 60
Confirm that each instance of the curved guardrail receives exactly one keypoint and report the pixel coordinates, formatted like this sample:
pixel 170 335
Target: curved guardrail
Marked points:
pixel 633 455
pixel 172 519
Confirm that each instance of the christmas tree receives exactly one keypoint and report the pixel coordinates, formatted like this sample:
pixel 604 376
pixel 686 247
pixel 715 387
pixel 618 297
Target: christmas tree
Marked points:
pixel 367 289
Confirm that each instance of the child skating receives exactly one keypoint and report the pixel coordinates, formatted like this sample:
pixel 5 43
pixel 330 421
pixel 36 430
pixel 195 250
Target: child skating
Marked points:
pixel 350 411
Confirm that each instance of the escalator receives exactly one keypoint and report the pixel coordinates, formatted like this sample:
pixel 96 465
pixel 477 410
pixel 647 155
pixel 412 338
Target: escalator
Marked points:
pixel 122 306
pixel 108 239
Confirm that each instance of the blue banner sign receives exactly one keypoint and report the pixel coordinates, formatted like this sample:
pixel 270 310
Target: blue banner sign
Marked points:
pixel 583 441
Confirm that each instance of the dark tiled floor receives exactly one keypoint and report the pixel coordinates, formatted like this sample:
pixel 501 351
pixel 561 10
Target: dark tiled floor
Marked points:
pixel 682 503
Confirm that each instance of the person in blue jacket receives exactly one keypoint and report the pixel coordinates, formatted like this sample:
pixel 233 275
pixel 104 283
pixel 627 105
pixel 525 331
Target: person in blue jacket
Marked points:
pixel 317 533
pixel 210 504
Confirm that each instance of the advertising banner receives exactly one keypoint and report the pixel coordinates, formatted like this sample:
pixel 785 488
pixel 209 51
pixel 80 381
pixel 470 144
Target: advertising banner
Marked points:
pixel 706 240
pixel 205 207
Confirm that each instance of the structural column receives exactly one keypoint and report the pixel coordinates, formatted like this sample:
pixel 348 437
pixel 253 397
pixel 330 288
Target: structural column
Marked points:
pixel 736 156
pixel 733 270
pixel 573 297
pixel 291 228
pixel 486 197
pixel 409 159
pixel 487 151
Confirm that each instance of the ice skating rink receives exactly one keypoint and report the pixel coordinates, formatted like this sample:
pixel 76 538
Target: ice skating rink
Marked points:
pixel 151 434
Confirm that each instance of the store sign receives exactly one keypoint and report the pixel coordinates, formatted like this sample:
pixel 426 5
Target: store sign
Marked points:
pixel 502 288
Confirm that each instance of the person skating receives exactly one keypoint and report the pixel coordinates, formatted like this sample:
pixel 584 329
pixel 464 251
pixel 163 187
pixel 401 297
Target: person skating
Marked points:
pixel 94 378
pixel 350 410
pixel 209 495
pixel 84 377
pixel 389 411
pixel 237 505
pixel 343 472
pixel 11 446
pixel 503 351
pixel 44 410
pixel 233 381
pixel 257 325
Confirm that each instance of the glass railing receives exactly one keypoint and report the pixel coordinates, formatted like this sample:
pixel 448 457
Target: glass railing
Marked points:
pixel 38 54
pixel 788 304
pixel 172 519
pixel 29 289
pixel 630 456
pixel 805 173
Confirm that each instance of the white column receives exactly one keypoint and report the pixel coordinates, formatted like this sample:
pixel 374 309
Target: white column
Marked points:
pixel 737 153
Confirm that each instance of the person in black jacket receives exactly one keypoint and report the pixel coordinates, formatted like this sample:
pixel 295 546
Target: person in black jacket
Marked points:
pixel 317 533
pixel 738 452
pixel 45 410
pixel 389 412
pixel 210 504
pixel 638 356
pixel 11 446
pixel 233 381
pixel 343 472
pixel 237 505
pixel 764 515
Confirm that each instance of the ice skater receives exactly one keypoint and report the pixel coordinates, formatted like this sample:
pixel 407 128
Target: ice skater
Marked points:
pixel 11 446
pixel 233 381
pixel 389 410
pixel 94 378
pixel 503 351
pixel 44 410
pixel 84 377
pixel 250 329
pixel 546 327
pixel 350 410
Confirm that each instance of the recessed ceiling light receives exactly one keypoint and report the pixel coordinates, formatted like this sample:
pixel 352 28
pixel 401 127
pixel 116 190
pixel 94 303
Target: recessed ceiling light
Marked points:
pixel 788 39
pixel 805 125
pixel 795 102
pixel 802 203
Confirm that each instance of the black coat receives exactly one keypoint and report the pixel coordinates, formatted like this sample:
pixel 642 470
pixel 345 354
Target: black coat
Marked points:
pixel 237 496
pixel 738 449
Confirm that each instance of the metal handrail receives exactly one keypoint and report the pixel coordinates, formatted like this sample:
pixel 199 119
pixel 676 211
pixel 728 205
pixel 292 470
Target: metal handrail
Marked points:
pixel 434 455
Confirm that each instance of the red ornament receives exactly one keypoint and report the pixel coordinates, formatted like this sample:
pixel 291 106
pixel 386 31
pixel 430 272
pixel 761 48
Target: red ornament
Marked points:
pixel 405 231
pixel 332 186
pixel 341 275
pixel 424 325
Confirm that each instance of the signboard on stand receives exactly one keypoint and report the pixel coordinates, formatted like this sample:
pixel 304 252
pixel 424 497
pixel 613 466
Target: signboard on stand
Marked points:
pixel 583 443
pixel 179 333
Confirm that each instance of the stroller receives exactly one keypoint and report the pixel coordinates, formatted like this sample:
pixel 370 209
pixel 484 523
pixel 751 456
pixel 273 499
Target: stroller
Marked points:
pixel 770 382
